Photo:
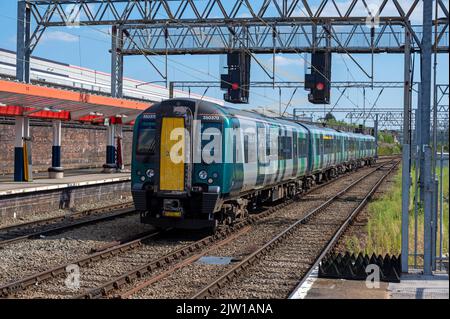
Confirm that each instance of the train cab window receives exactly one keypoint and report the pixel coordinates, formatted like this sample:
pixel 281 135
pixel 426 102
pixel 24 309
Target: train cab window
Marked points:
pixel 146 143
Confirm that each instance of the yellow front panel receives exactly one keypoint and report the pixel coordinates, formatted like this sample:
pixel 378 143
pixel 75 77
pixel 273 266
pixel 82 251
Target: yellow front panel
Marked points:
pixel 171 173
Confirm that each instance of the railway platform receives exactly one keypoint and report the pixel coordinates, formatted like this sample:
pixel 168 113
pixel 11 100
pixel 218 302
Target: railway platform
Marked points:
pixel 412 286
pixel 43 194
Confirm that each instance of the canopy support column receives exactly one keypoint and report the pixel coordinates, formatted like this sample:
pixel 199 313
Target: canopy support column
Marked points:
pixel 56 171
pixel 111 165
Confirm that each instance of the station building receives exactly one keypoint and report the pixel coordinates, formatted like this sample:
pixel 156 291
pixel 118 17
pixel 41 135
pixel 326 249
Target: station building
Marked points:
pixel 64 129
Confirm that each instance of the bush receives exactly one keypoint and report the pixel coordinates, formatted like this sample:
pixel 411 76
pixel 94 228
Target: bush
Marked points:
pixel 389 149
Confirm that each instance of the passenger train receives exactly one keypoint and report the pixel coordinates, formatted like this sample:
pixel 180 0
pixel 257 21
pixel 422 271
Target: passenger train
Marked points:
pixel 196 164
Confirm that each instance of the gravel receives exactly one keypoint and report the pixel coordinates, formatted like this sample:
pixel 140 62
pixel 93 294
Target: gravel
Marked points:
pixel 21 259
pixel 187 280
pixel 61 212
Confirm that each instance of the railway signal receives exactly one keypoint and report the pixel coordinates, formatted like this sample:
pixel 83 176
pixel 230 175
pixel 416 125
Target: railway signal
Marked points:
pixel 318 82
pixel 237 81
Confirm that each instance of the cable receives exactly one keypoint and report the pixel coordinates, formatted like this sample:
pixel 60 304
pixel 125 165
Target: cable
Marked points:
pixel 193 69
pixel 339 44
pixel 318 71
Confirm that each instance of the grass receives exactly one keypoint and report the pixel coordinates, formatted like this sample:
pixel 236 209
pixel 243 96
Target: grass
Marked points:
pixel 387 145
pixel 384 226
pixel 388 149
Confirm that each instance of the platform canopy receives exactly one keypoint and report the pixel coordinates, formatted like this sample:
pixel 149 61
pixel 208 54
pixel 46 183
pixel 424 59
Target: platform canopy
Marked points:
pixel 20 99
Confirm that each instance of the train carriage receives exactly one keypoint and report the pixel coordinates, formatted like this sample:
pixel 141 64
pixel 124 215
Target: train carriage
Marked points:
pixel 196 164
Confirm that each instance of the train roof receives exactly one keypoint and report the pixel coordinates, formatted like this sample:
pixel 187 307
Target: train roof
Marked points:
pixel 206 106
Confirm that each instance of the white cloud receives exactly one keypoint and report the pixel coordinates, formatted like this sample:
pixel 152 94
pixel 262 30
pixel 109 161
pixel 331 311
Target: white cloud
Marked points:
pixel 59 36
pixel 283 61
pixel 360 10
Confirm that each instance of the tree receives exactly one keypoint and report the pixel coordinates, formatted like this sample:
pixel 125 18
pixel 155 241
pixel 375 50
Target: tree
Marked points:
pixel 329 117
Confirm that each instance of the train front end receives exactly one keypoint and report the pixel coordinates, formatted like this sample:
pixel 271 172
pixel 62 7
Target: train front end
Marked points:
pixel 168 187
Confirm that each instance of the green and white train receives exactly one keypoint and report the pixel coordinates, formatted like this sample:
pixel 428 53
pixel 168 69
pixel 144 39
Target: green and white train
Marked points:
pixel 197 165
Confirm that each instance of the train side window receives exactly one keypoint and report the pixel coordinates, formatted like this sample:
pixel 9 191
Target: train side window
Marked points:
pixel 299 147
pixel 303 148
pixel 294 145
pixel 326 143
pixel 234 149
pixel 252 148
pixel 288 147
pixel 280 147
pixel 245 148
pixel 319 148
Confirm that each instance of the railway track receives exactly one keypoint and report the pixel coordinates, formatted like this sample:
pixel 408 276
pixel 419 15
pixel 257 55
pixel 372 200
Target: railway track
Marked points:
pixel 181 277
pixel 163 267
pixel 291 255
pixel 44 227
pixel 140 262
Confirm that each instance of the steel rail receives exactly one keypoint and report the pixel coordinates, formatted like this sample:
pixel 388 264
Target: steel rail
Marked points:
pixel 236 270
pixel 180 253
pixel 108 251
pixel 333 241
pixel 187 251
pixel 76 224
pixel 51 220
pixel 183 263
pixel 111 250
pixel 15 286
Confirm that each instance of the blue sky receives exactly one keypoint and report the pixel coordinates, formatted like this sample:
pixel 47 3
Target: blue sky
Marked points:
pixel 89 47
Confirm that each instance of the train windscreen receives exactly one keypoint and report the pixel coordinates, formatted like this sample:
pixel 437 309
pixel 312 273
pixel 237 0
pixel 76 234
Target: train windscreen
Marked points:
pixel 146 143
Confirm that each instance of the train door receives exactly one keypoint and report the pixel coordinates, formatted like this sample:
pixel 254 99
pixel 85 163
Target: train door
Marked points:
pixel 321 151
pixel 238 167
pixel 261 153
pixel 295 152
pixel 250 163
pixel 303 151
pixel 171 175
pixel 281 154
pixel 272 152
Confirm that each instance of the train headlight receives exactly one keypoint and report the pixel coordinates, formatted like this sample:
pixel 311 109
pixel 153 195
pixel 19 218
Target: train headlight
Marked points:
pixel 203 175
pixel 150 173
pixel 143 178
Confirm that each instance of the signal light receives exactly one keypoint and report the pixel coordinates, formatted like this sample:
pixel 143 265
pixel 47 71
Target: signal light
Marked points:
pixel 237 81
pixel 318 82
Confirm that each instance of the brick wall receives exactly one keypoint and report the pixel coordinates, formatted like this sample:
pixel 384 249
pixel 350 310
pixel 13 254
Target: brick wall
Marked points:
pixel 22 205
pixel 82 146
